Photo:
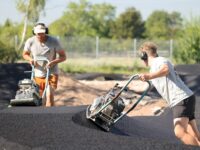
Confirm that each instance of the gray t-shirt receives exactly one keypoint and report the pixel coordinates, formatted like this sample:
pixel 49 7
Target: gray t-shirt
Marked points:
pixel 47 50
pixel 170 87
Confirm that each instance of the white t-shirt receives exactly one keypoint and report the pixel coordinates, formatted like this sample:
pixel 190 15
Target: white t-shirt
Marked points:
pixel 47 50
pixel 170 87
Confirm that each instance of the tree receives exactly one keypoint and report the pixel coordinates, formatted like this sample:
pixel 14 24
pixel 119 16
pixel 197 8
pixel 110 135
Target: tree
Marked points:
pixel 103 16
pixel 7 33
pixel 188 46
pixel 31 10
pixel 175 25
pixel 129 24
pixel 7 53
pixel 163 25
pixel 84 19
pixel 75 21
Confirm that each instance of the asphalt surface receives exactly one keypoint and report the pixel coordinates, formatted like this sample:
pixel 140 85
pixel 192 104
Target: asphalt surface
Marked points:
pixel 60 128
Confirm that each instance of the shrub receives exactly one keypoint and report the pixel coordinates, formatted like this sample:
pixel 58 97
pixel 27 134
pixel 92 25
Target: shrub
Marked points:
pixel 187 50
pixel 7 54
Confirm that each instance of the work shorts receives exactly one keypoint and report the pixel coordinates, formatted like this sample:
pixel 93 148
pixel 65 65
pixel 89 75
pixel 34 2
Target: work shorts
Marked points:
pixel 185 108
pixel 53 81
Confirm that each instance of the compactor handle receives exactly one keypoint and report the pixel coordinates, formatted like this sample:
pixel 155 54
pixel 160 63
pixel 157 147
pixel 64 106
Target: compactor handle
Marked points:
pixel 44 59
pixel 41 58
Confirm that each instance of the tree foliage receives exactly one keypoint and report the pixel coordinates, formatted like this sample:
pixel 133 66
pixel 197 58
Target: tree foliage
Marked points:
pixel 84 19
pixel 129 24
pixel 9 35
pixel 7 32
pixel 7 54
pixel 188 46
pixel 31 10
pixel 103 16
pixel 163 25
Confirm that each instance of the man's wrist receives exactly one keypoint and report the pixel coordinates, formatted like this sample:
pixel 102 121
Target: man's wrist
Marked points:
pixel 150 76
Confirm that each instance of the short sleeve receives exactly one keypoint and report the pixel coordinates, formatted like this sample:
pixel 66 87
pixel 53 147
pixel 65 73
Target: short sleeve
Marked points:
pixel 27 46
pixel 58 45
pixel 162 61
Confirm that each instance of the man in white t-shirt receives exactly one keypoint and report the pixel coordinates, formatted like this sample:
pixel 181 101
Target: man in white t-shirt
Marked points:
pixel 42 44
pixel 178 96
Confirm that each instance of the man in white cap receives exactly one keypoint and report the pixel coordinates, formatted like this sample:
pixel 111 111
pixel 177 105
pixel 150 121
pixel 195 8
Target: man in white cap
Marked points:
pixel 41 44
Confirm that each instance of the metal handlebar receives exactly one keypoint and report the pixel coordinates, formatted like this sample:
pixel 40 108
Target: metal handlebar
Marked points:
pixel 134 77
pixel 41 58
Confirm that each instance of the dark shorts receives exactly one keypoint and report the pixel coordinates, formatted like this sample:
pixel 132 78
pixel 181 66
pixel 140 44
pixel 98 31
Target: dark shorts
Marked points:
pixel 185 108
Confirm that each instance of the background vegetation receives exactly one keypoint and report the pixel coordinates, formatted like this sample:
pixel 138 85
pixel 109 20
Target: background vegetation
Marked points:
pixel 92 20
pixel 104 65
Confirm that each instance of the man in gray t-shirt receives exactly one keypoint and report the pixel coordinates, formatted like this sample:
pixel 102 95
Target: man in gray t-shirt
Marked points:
pixel 41 44
pixel 178 96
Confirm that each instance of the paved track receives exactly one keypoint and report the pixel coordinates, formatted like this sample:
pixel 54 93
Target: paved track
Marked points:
pixel 60 128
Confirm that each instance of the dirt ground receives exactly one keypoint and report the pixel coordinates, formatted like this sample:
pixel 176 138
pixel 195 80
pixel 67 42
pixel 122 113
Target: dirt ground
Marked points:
pixel 72 92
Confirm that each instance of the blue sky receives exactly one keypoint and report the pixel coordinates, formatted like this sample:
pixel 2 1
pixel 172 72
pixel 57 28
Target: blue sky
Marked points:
pixel 54 8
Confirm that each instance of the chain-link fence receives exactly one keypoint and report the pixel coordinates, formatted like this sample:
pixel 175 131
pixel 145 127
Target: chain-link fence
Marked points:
pixel 100 47
pixel 95 47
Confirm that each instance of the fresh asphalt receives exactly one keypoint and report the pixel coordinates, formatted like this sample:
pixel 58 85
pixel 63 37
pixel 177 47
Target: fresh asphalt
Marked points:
pixel 60 128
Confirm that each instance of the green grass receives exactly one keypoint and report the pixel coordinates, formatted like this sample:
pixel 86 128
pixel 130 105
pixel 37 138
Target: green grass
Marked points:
pixel 103 65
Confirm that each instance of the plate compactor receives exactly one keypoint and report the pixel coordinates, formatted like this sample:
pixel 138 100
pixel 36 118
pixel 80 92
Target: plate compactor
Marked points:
pixel 106 110
pixel 28 92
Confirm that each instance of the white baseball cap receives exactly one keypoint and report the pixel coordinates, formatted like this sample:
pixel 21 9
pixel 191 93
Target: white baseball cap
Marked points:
pixel 39 29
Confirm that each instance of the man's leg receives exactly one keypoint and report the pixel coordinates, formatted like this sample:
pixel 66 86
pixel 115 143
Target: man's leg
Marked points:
pixel 53 80
pixel 193 129
pixel 41 83
pixel 180 130
pixel 50 96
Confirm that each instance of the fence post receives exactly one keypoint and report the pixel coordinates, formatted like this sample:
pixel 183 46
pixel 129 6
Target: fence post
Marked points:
pixel 171 49
pixel 97 46
pixel 134 47
pixel 58 37
pixel 16 41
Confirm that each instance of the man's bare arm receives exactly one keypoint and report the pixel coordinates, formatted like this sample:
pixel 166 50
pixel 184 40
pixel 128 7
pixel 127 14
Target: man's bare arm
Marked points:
pixel 27 56
pixel 163 71
pixel 62 57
